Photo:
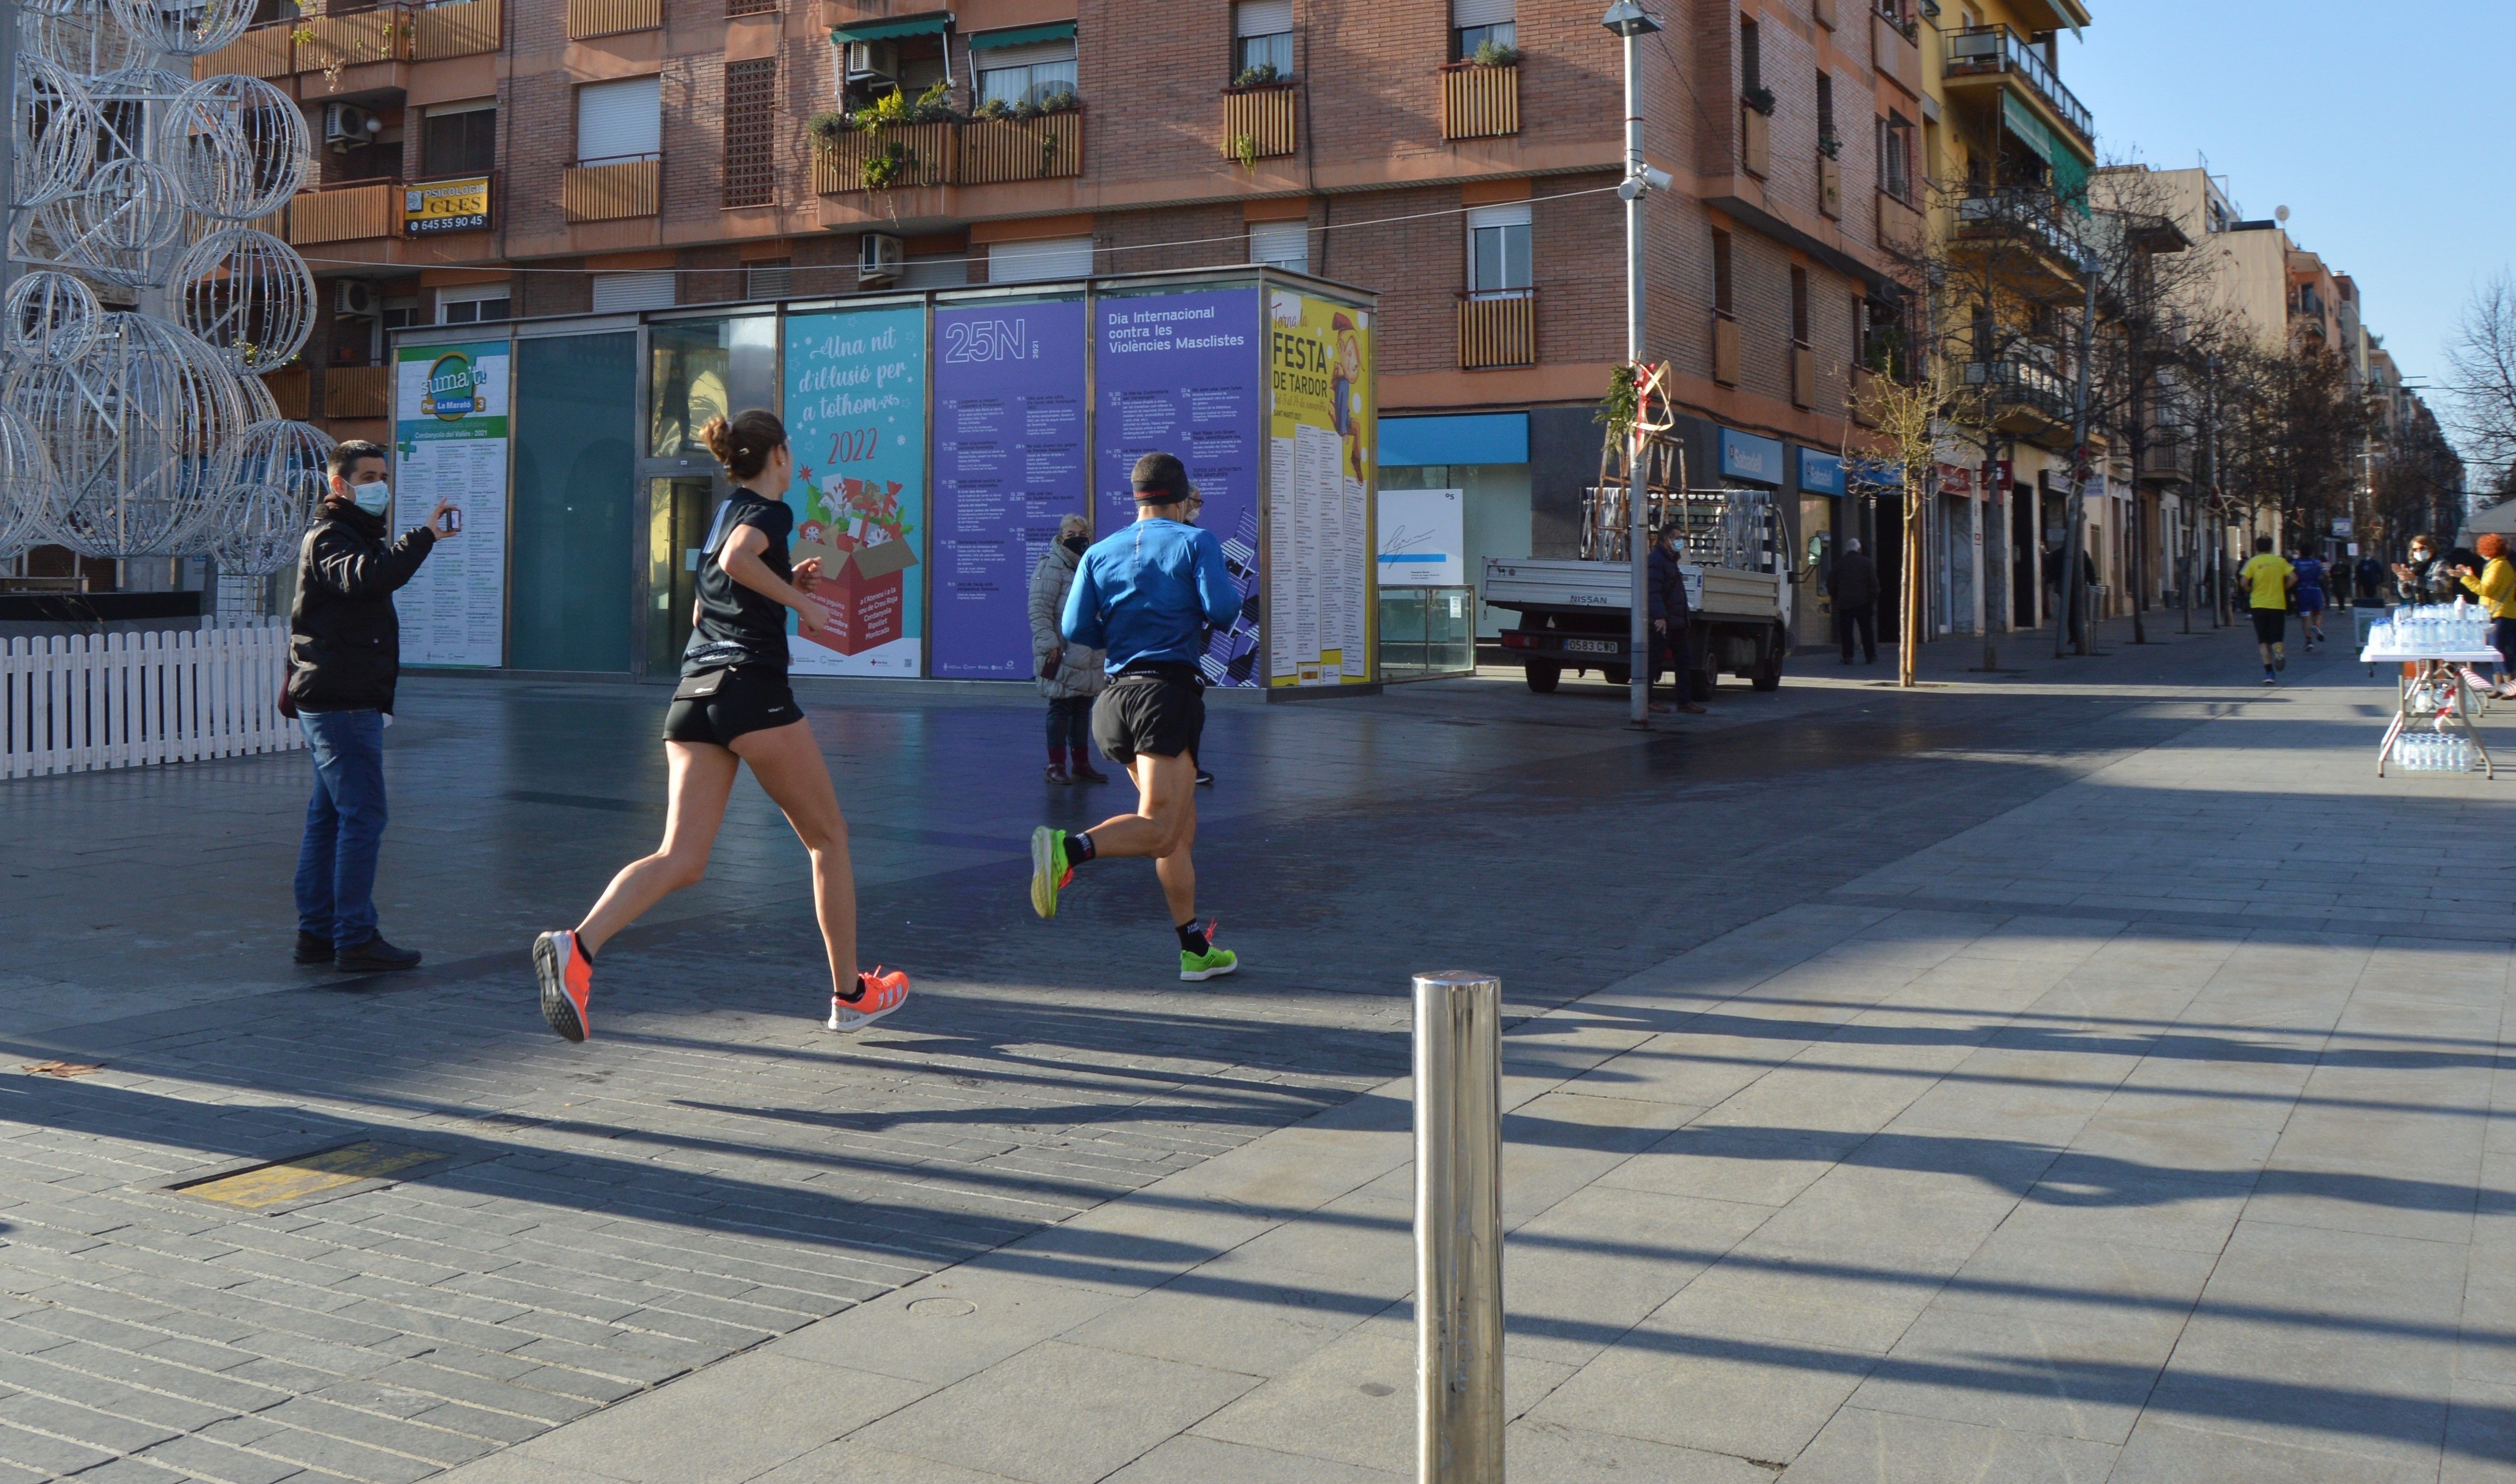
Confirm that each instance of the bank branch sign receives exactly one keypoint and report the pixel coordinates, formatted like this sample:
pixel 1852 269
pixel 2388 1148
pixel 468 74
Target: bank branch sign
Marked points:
pixel 452 390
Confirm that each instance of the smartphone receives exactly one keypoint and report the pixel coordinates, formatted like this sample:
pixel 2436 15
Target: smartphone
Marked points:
pixel 449 522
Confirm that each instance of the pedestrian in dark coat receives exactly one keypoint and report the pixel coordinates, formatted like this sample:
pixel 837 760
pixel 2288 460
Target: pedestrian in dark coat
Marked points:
pixel 1856 602
pixel 1669 618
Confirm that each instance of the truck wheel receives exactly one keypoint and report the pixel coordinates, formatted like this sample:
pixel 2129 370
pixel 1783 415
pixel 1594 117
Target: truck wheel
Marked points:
pixel 1543 675
pixel 1616 674
pixel 1768 675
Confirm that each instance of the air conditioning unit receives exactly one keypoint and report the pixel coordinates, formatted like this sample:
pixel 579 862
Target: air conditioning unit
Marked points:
pixel 354 298
pixel 881 258
pixel 873 59
pixel 346 124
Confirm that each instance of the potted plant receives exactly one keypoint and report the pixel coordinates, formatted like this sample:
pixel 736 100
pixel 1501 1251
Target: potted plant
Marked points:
pixel 1761 98
pixel 1493 53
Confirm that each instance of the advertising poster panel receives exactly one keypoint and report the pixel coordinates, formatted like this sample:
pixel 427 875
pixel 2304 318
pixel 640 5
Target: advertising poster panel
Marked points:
pixel 1319 538
pixel 450 408
pixel 1008 464
pixel 856 415
pixel 1181 372
pixel 1424 533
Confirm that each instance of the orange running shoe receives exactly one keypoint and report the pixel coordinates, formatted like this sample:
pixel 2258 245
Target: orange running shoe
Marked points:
pixel 567 984
pixel 878 994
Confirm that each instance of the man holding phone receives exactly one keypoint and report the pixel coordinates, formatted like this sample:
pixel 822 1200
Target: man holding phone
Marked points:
pixel 344 655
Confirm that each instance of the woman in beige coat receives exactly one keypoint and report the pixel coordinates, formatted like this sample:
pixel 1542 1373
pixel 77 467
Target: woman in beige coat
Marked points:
pixel 1070 674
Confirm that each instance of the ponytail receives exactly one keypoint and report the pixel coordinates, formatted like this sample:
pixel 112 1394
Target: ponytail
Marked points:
pixel 743 445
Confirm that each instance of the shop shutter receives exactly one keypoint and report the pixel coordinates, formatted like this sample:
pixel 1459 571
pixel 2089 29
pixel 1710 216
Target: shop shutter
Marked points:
pixel 620 120
pixel 750 132
pixel 619 293
pixel 1468 13
pixel 1039 262
pixel 1262 18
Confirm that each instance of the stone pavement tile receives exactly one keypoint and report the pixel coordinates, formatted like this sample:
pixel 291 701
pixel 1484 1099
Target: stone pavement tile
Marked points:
pixel 512 1467
pixel 2168 1450
pixel 1229 1316
pixel 1755 1165
pixel 2078 1280
pixel 1354 1401
pixel 2026 1374
pixel 204 1459
pixel 1364 1238
pixel 851 1463
pixel 1549 1453
pixel 46 1456
pixel 2104 1203
pixel 1761 1401
pixel 1192 1459
pixel 1789 1301
pixel 2480 1436
pixel 1695 1068
pixel 1860 1446
pixel 2120 1143
pixel 1557 1143
pixel 1602 1260
pixel 943 1329
pixel 726 1423
pixel 1057 1414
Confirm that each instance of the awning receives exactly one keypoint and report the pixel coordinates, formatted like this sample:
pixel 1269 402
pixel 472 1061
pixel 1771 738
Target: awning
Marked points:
pixel 1493 437
pixel 1022 35
pixel 932 24
pixel 2024 123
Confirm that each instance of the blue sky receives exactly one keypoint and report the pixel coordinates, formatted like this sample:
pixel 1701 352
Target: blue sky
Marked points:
pixel 2381 128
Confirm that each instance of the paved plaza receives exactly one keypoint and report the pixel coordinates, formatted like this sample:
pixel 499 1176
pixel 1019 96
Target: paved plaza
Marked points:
pixel 2086 1073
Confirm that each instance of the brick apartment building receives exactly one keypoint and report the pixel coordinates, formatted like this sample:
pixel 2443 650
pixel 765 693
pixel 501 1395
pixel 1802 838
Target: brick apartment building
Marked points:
pixel 643 153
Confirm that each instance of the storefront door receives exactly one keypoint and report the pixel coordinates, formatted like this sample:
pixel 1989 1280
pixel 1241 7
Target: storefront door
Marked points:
pixel 677 513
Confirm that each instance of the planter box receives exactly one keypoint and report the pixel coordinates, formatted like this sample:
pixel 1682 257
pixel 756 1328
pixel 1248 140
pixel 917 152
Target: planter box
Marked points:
pixel 1262 115
pixel 930 155
pixel 1479 101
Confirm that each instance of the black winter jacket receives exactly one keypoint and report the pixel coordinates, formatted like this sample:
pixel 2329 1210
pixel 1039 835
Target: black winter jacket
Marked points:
pixel 344 639
pixel 1667 589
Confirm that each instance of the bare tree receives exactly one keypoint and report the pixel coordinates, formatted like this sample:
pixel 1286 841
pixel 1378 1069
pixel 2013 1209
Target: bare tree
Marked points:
pixel 2481 360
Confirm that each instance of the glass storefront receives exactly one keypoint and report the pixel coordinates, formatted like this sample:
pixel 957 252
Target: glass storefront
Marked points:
pixel 571 564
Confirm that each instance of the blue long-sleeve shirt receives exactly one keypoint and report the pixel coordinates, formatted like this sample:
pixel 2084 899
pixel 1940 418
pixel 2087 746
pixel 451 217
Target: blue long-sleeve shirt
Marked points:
pixel 1148 594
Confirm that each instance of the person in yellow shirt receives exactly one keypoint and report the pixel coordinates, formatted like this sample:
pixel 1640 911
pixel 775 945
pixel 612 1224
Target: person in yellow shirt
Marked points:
pixel 2268 578
pixel 2496 587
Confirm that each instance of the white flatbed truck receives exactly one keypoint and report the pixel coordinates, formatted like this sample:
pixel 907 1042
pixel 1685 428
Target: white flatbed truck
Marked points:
pixel 1577 615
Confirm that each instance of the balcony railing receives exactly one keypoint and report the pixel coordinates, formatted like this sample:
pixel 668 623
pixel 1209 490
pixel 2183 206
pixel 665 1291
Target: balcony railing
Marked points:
pixel 1261 119
pixel 345 213
pixel 1725 348
pixel 1479 101
pixel 609 190
pixel 1044 149
pixel 2026 217
pixel 458 30
pixel 355 38
pixel 265 51
pixel 357 392
pixel 1980 50
pixel 383 34
pixel 2022 384
pixel 587 18
pixel 288 389
pixel 982 151
pixel 1497 328
pixel 1900 225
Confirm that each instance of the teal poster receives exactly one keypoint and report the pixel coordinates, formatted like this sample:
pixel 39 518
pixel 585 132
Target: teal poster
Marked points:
pixel 856 416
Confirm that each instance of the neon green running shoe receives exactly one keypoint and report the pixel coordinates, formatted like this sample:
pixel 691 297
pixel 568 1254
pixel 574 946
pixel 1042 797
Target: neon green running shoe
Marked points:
pixel 1048 869
pixel 1212 963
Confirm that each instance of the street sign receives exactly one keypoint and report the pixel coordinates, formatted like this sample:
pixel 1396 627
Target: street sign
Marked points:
pixel 2341 525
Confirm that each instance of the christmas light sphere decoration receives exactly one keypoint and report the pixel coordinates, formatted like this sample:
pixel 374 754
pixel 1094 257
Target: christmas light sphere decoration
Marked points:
pixel 56 128
pixel 29 492
pixel 192 28
pixel 260 534
pixel 114 228
pixel 50 320
pixel 237 146
pixel 141 430
pixel 291 457
pixel 247 296
pixel 81 36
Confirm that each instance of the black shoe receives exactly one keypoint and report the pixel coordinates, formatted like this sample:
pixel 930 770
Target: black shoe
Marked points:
pixel 375 956
pixel 313 950
pixel 1205 779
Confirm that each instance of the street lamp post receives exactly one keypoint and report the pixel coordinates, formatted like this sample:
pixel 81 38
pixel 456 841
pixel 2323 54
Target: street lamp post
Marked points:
pixel 1627 19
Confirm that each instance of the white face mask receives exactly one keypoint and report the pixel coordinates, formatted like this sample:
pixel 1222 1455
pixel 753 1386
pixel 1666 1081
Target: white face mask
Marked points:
pixel 375 499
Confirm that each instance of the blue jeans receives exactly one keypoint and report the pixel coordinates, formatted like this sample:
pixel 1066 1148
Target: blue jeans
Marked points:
pixel 344 824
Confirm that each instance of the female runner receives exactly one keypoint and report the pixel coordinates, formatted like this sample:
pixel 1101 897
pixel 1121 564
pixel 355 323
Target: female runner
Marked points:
pixel 734 706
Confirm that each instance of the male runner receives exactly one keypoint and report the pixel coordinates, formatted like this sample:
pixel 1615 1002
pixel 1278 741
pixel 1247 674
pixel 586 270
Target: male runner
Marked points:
pixel 2268 579
pixel 1147 596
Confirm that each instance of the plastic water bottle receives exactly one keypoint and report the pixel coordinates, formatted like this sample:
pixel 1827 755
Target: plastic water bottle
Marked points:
pixel 2461 754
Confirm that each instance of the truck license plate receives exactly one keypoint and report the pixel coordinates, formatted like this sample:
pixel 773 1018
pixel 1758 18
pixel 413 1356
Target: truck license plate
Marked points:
pixel 1591 646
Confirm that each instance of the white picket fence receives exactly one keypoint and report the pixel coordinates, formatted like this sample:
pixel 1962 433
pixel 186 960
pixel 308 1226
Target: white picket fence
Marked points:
pixel 71 703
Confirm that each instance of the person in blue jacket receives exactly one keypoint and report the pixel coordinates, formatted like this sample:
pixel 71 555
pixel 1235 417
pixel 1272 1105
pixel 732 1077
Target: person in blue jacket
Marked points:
pixel 1147 597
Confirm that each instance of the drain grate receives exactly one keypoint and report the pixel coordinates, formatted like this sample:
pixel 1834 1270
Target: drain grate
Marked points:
pixel 284 1182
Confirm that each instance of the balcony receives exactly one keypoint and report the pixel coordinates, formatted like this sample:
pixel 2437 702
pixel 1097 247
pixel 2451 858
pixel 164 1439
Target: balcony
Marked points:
pixel 1258 122
pixel 1479 101
pixel 1900 225
pixel 1725 348
pixel 2168 455
pixel 1497 328
pixel 357 392
pixel 385 33
pixel 288 387
pixel 1755 142
pixel 1044 149
pixel 2021 236
pixel 613 190
pixel 1996 51
pixel 265 51
pixel 1803 376
pixel 1830 186
pixel 1899 53
pixel 981 152
pixel 588 19
pixel 2027 397
pixel 346 213
pixel 470 29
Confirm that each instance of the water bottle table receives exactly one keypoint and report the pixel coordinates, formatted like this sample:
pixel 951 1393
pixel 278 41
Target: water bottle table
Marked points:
pixel 2433 730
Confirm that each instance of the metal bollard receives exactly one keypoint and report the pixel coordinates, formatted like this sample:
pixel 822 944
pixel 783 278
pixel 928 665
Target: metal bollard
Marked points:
pixel 1458 1229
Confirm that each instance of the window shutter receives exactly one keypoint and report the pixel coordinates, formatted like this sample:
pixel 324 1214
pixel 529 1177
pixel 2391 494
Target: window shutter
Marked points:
pixel 620 120
pixel 1509 214
pixel 1026 56
pixel 1281 244
pixel 1039 262
pixel 750 132
pixel 1467 13
pixel 1263 17
pixel 618 293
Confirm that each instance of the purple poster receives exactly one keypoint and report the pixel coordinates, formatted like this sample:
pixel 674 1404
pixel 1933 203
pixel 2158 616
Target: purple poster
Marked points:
pixel 1181 372
pixel 1009 449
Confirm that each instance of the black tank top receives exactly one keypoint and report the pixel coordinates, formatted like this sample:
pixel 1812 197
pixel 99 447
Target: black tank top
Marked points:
pixel 737 626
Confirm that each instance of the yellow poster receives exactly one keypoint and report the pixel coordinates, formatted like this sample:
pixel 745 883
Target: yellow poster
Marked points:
pixel 1321 471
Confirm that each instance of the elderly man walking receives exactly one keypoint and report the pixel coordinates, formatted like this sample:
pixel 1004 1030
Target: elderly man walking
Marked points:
pixel 1856 602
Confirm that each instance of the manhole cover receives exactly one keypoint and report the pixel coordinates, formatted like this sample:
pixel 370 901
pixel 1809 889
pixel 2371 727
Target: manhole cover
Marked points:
pixel 284 1182
pixel 941 1308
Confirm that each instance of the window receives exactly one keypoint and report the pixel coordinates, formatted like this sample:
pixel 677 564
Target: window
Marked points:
pixel 459 138
pixel 1800 306
pixel 772 280
pixel 1040 261
pixel 1752 56
pixel 618 293
pixel 1026 74
pixel 1477 24
pixel 1262 36
pixel 750 132
pixel 1896 158
pixel 1281 244
pixel 1828 140
pixel 943 271
pixel 477 304
pixel 1498 249
pixel 400 313
pixel 1722 303
pixel 620 120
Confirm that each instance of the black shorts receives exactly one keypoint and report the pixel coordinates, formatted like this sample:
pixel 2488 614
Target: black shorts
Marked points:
pixel 746 699
pixel 1159 713
pixel 2271 626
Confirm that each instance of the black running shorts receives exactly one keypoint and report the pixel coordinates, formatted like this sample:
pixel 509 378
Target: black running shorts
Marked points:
pixel 1161 715
pixel 2271 626
pixel 745 700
